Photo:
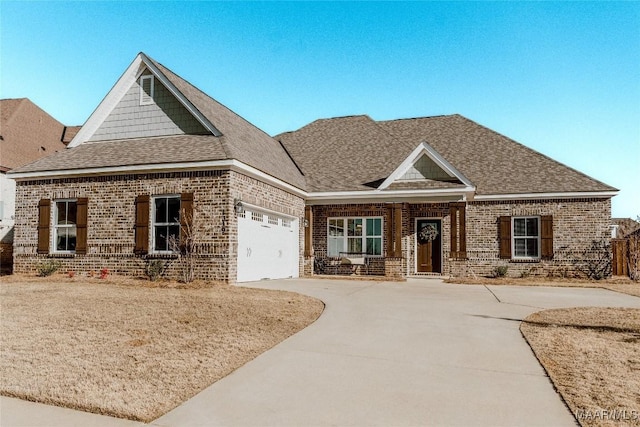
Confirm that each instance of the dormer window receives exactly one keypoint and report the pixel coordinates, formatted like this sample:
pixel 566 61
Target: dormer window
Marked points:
pixel 146 89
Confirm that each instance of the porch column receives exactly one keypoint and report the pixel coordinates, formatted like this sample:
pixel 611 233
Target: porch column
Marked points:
pixel 397 232
pixel 458 230
pixel 308 231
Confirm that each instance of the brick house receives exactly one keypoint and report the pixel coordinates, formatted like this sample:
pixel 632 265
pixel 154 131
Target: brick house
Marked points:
pixel 437 195
pixel 442 195
pixel 27 133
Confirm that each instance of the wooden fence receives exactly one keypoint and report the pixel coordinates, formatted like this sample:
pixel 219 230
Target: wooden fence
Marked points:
pixel 620 262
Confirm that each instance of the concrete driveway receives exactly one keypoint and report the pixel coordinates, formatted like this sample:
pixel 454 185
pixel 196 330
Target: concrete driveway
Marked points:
pixel 415 353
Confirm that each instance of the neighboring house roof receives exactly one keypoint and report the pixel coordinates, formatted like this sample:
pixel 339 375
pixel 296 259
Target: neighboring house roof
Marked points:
pixel 69 133
pixel 231 137
pixel 27 133
pixel 350 153
pixel 626 226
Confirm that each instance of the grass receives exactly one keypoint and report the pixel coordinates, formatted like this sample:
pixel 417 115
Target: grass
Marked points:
pixel 617 284
pixel 117 348
pixel 592 355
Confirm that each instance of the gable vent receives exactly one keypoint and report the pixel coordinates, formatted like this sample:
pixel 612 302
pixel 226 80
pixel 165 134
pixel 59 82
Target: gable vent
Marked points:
pixel 146 89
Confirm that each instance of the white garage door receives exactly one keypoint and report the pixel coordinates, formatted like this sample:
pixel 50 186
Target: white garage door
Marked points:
pixel 267 246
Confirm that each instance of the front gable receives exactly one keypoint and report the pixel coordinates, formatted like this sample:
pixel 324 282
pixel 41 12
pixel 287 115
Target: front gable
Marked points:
pixel 424 165
pixel 148 109
pixel 426 168
pixel 143 103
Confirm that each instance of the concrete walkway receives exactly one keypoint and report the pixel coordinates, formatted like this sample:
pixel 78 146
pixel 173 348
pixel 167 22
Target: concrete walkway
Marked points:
pixel 415 353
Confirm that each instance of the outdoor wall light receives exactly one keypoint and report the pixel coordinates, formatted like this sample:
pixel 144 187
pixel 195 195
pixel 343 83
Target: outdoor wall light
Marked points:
pixel 238 206
pixel 305 222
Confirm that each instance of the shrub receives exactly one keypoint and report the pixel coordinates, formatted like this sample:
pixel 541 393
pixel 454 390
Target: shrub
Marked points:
pixel 595 262
pixel 154 268
pixel 500 271
pixel 47 268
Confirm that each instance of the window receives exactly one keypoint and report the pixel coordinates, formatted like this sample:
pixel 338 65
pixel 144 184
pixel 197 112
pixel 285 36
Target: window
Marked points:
pixel 526 237
pixel 355 235
pixel 64 225
pixel 166 222
pixel 257 216
pixel 146 89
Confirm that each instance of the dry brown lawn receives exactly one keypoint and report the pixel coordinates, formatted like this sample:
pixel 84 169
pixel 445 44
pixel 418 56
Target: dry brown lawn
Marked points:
pixel 617 284
pixel 115 347
pixel 592 355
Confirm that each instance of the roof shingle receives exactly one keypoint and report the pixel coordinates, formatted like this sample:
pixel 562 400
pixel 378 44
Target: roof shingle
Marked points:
pixel 346 153
pixel 27 133
pixel 240 140
pixel 131 152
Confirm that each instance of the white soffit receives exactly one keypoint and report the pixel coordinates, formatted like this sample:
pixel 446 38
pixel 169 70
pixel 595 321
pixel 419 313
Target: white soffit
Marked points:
pixel 551 196
pixel 424 149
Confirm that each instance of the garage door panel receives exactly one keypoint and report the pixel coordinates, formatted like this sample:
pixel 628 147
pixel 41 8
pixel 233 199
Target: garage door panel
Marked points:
pixel 266 248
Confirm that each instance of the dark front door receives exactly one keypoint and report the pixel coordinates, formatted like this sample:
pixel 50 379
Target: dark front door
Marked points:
pixel 429 242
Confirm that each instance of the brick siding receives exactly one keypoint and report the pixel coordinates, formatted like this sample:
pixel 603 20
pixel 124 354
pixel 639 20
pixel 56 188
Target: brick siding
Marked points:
pixel 111 219
pixel 576 224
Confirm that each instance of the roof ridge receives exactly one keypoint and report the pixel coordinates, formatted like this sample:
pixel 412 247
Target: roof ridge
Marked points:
pixel 210 98
pixel 419 118
pixel 230 125
pixel 164 69
pixel 537 153
pixel 22 98
pixel 323 119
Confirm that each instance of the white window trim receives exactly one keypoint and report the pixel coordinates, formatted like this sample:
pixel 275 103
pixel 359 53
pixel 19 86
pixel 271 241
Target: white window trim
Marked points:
pixel 154 224
pixel 55 226
pixel 144 99
pixel 364 236
pixel 514 237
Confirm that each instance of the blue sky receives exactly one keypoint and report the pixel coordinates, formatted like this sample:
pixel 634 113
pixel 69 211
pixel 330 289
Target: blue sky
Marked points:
pixel 560 77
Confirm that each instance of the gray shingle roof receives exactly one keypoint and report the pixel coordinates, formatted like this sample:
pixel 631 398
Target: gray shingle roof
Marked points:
pixel 347 153
pixel 240 140
pixel 130 152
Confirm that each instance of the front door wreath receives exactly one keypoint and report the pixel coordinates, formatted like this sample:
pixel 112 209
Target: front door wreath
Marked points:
pixel 428 233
